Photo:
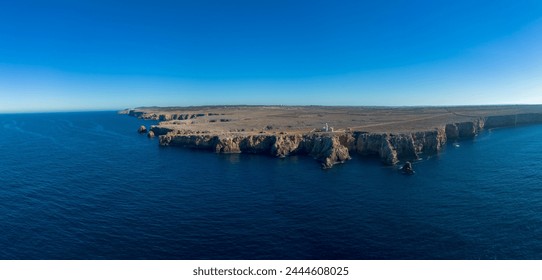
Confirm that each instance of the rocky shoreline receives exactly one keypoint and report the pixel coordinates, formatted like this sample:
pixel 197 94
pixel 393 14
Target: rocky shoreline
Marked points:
pixel 327 147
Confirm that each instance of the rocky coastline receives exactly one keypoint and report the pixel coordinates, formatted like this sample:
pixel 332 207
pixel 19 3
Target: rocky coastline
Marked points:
pixel 327 147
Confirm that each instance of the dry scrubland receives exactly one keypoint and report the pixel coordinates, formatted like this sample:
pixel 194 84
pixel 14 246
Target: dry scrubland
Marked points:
pixel 303 119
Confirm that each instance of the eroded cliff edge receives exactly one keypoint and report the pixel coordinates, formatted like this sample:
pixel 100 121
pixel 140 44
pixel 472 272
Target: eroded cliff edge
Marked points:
pixel 395 137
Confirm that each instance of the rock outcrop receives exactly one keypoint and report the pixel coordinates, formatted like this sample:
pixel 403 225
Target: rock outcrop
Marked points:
pixel 464 130
pixel 407 168
pixel 429 142
pixel 142 129
pixel 160 130
pixel 326 149
pixel 285 145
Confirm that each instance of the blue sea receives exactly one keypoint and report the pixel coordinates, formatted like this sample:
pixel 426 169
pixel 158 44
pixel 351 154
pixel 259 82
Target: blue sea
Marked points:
pixel 87 186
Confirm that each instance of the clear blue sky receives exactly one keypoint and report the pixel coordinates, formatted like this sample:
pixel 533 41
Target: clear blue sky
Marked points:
pixel 84 55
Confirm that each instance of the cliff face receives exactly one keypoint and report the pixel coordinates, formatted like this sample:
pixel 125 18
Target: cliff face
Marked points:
pixel 376 144
pixel 329 148
pixel 326 149
pixel 512 120
pixel 160 130
pixel 400 147
pixel 163 117
pixel 429 141
pixel 464 130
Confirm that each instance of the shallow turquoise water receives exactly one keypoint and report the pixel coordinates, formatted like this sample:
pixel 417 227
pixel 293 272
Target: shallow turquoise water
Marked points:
pixel 87 186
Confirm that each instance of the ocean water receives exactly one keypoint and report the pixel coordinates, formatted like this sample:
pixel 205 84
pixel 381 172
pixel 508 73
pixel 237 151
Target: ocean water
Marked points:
pixel 87 186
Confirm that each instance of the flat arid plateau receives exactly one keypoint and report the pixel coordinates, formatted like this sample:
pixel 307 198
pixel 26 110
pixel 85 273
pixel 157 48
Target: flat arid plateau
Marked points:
pixel 329 134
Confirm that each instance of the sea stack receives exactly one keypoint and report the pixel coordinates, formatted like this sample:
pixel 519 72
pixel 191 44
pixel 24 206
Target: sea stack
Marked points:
pixel 142 129
pixel 407 168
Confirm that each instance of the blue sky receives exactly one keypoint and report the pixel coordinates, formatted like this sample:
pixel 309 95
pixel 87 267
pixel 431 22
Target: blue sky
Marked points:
pixel 86 55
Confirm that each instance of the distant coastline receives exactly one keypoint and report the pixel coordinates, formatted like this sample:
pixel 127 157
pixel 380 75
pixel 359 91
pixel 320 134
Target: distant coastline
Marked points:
pixel 328 134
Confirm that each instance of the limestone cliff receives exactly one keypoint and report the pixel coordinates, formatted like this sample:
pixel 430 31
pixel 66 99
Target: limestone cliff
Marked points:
pixel 512 120
pixel 464 130
pixel 326 149
pixel 329 149
pixel 142 114
pixel 392 148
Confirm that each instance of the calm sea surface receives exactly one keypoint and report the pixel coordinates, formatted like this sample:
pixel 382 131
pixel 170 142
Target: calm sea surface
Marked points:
pixel 87 186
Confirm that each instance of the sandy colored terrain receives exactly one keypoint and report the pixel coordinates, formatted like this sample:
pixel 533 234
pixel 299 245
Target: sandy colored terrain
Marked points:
pixel 304 119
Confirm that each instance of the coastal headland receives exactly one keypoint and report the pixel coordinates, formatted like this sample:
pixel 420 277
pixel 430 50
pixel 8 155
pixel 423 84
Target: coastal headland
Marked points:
pixel 327 133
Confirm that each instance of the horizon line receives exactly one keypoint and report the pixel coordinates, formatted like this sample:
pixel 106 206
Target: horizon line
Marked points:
pixel 257 105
